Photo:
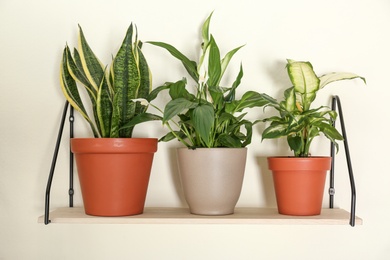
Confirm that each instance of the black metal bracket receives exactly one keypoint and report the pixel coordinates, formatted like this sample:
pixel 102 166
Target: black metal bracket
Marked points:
pixel 54 161
pixel 336 103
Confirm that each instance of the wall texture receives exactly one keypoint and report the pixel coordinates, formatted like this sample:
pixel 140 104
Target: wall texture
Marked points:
pixel 334 35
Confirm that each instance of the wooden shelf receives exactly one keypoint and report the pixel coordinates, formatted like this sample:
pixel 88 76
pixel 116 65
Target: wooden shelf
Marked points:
pixel 182 216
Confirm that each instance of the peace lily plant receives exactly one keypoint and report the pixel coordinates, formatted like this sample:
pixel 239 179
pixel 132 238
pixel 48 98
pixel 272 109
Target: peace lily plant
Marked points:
pixel 297 121
pixel 118 93
pixel 208 117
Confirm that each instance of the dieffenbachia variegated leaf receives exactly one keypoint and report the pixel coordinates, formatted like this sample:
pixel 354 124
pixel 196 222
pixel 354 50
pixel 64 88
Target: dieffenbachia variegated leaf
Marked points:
pixel 302 76
pixel 336 76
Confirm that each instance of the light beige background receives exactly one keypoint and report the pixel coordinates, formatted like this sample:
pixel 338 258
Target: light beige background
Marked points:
pixel 349 35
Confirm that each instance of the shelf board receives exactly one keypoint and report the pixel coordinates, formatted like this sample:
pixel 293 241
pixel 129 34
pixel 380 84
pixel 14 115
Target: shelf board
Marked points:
pixel 154 215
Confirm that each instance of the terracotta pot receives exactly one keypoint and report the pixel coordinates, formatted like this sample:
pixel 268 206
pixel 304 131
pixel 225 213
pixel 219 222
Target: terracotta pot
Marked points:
pixel 114 173
pixel 299 183
pixel 212 178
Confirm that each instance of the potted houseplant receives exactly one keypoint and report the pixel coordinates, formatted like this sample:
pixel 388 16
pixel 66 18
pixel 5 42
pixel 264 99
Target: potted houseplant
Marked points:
pixel 299 180
pixel 207 118
pixel 113 168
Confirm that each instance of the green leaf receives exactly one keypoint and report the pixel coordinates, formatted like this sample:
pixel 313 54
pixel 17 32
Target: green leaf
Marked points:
pixel 188 64
pixel 71 93
pixel 205 41
pixel 302 76
pixel 289 95
pixel 141 118
pixel 115 119
pixel 231 96
pixel 214 64
pixel 171 136
pixel 226 60
pixel 205 31
pixel 153 94
pixel 295 142
pixel 228 141
pixel 104 108
pixel 78 74
pixel 336 76
pixel 330 131
pixel 145 86
pixel 275 131
pixel 177 106
pixel 127 80
pixel 248 138
pixel 92 67
pixel 216 94
pixel 203 116
pixel 249 99
pixel 178 90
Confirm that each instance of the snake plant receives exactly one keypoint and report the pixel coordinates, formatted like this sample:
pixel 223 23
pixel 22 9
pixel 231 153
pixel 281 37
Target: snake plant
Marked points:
pixel 207 117
pixel 118 93
pixel 298 122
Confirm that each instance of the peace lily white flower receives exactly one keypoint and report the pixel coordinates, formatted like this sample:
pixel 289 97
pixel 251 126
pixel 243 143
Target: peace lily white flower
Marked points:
pixel 143 101
pixel 203 69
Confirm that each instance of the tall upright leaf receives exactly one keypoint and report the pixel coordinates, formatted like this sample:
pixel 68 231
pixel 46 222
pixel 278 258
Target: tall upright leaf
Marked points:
pixel 126 81
pixel 226 60
pixel 93 68
pixel 214 63
pixel 113 92
pixel 104 108
pixel 203 116
pixel 77 72
pixel 71 93
pixel 205 32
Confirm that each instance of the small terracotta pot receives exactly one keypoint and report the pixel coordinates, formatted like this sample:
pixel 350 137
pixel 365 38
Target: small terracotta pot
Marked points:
pixel 212 178
pixel 114 173
pixel 299 183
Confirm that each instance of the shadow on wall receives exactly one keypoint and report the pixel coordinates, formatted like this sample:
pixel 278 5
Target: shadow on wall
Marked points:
pixel 280 80
pixel 266 183
pixel 174 170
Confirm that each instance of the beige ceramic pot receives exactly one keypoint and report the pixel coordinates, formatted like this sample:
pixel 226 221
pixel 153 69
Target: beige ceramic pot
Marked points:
pixel 212 178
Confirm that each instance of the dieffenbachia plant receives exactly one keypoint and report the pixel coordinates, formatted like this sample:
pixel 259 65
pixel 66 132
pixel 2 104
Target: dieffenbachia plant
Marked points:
pixel 298 121
pixel 118 93
pixel 207 118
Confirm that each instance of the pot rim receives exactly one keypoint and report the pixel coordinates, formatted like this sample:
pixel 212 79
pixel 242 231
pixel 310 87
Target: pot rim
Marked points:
pixel 287 163
pixel 295 157
pixel 114 145
pixel 213 148
pixel 112 138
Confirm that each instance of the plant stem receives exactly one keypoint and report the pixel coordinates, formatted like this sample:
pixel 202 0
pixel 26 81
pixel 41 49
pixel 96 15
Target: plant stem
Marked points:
pixel 178 137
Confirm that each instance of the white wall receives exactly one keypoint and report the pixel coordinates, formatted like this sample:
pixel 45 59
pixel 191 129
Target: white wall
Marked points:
pixel 349 35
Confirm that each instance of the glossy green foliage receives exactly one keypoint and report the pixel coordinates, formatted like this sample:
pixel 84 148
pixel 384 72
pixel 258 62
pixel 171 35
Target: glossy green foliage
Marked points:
pixel 211 116
pixel 297 121
pixel 118 94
